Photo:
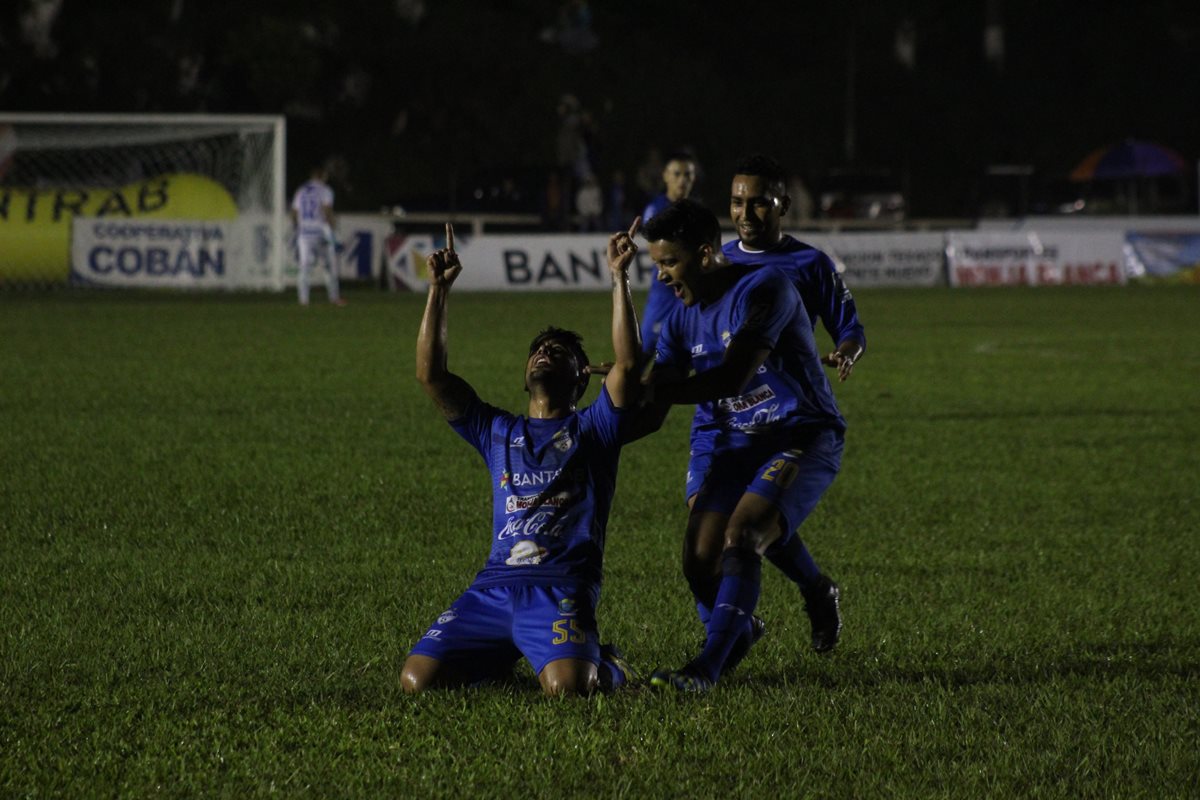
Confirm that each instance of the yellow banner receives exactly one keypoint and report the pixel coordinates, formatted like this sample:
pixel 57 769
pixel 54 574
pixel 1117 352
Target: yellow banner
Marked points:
pixel 35 224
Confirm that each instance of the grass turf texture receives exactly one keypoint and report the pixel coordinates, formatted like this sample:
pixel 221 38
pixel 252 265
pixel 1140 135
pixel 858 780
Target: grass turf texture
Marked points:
pixel 224 520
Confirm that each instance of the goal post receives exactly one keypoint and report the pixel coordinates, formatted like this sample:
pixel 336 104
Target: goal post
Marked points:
pixel 191 201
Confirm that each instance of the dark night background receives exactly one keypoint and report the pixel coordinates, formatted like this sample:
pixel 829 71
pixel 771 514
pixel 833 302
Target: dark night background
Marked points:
pixel 427 101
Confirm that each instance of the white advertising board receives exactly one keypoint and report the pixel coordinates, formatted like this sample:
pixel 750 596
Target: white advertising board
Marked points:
pixel 108 251
pixel 885 259
pixel 1050 258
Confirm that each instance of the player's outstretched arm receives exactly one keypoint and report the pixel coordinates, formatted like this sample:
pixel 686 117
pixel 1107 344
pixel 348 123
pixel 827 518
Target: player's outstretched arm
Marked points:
pixel 451 393
pixel 622 381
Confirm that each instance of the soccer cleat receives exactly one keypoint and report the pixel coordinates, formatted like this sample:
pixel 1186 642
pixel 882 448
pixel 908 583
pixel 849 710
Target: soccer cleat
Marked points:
pixel 613 655
pixel 681 680
pixel 741 648
pixel 821 603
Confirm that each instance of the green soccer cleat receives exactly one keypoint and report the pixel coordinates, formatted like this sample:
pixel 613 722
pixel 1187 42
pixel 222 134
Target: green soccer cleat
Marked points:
pixel 682 680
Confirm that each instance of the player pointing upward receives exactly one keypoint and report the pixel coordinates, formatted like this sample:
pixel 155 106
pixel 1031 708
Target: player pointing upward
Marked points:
pixel 554 472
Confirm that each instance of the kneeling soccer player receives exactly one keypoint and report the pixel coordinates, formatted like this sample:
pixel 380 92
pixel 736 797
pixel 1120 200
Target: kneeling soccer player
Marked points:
pixel 554 472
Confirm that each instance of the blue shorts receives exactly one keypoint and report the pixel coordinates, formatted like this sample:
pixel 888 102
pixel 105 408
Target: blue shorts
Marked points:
pixel 486 630
pixel 792 474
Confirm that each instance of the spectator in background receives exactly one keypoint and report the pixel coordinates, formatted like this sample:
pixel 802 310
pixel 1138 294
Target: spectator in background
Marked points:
pixel 648 175
pixel 589 204
pixel 553 210
pixel 616 204
pixel 800 210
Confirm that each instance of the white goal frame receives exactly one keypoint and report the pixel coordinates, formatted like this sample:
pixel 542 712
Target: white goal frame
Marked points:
pixel 274 125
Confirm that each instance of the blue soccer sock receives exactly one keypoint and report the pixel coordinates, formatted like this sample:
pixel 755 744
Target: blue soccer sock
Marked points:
pixel 793 560
pixel 736 599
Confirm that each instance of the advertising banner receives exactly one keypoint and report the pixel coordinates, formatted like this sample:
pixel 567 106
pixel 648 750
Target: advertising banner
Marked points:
pixel 976 258
pixel 37 225
pixel 1171 257
pixel 360 254
pixel 519 262
pixel 151 253
pixel 885 259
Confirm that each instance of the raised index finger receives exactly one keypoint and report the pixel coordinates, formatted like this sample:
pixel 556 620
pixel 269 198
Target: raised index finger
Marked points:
pixel 633 229
pixel 449 237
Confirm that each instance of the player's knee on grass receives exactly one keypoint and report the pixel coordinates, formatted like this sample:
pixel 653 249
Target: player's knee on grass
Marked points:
pixel 568 676
pixel 419 673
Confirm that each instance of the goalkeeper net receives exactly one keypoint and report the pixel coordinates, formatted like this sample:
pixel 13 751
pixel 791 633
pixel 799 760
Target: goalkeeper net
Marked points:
pixel 178 200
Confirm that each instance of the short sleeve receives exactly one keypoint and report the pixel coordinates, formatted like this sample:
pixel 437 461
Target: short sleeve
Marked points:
pixel 475 425
pixel 670 349
pixel 765 308
pixel 605 420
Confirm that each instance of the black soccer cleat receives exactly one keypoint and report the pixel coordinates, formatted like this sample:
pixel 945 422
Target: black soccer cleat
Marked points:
pixel 681 680
pixel 741 647
pixel 821 603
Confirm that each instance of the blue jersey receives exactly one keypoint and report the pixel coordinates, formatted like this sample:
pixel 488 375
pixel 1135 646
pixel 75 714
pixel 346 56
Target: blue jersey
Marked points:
pixel 816 278
pixel 789 391
pixel 552 487
pixel 656 205
pixel 661 299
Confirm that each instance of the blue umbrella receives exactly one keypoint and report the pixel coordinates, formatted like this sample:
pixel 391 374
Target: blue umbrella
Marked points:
pixel 1129 159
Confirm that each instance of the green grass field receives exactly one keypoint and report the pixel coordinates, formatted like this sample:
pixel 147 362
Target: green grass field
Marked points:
pixel 224 521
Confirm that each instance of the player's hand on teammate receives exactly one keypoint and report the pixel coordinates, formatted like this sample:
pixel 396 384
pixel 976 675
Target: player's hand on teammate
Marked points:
pixel 444 265
pixel 622 249
pixel 841 361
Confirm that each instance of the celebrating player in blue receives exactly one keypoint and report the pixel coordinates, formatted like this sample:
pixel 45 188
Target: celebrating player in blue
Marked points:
pixel 554 472
pixel 679 176
pixel 757 201
pixel 767 437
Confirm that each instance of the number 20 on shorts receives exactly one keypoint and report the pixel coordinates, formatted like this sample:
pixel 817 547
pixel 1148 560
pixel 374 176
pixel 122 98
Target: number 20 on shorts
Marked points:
pixel 781 471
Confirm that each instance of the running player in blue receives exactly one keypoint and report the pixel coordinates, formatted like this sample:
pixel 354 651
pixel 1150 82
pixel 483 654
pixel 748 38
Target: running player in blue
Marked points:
pixel 679 176
pixel 770 430
pixel 553 472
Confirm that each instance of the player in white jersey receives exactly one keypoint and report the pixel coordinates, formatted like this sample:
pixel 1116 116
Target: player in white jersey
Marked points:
pixel 312 214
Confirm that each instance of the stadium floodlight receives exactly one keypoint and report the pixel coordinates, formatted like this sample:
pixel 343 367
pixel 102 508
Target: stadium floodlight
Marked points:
pixel 178 200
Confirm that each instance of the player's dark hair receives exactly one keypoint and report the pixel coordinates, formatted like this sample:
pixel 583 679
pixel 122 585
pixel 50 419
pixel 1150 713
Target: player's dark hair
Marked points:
pixel 679 155
pixel 573 342
pixel 764 167
pixel 686 222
